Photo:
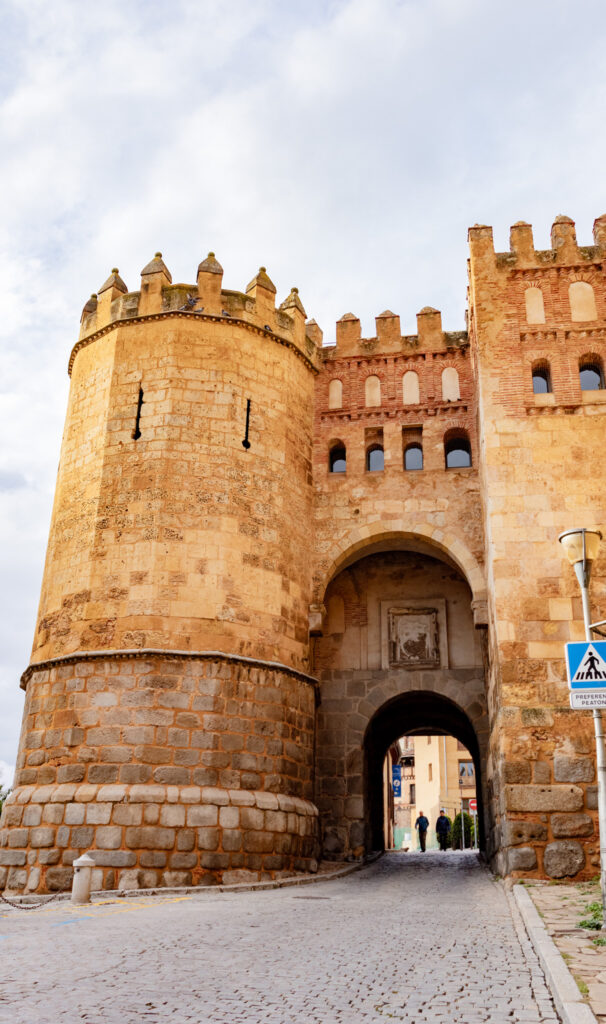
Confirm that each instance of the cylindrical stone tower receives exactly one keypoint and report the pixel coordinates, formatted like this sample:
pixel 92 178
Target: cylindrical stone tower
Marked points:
pixel 169 718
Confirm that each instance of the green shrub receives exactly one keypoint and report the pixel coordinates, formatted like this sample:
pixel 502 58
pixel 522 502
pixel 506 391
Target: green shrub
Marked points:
pixel 456 832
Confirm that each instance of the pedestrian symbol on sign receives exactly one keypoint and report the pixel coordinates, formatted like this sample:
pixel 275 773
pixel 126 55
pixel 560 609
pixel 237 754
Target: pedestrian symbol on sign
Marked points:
pixel 586 665
pixel 591 669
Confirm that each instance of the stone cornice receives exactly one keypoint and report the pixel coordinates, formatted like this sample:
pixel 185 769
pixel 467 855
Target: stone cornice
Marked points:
pixel 187 315
pixel 155 652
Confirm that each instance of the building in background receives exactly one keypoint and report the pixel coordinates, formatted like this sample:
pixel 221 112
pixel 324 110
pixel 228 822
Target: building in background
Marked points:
pixel 437 772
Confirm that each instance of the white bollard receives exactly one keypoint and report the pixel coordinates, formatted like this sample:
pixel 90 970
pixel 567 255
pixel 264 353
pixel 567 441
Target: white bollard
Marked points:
pixel 82 879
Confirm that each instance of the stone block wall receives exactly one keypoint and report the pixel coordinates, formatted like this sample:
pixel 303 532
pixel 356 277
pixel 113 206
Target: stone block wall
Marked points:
pixel 168 720
pixel 548 800
pixel 183 538
pixel 195 743
pixel 142 836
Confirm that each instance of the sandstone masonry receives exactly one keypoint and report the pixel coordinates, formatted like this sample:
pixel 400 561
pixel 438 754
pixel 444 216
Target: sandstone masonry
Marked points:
pixel 247 527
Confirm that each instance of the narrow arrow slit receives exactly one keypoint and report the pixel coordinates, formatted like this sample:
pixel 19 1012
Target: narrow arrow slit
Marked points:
pixel 246 442
pixel 137 430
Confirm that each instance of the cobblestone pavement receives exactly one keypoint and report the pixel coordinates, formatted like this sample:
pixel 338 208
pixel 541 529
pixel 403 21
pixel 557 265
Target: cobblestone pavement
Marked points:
pixel 424 938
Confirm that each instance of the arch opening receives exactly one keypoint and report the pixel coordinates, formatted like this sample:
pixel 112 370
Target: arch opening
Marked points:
pixel 407 659
pixel 421 716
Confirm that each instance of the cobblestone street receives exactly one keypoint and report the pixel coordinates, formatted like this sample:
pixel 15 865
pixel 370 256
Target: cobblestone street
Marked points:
pixel 424 938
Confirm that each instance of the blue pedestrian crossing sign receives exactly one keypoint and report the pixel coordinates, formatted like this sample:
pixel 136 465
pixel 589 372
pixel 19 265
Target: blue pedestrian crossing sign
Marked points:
pixel 586 665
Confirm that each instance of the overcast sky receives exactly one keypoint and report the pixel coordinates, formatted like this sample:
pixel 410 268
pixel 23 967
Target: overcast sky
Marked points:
pixel 345 144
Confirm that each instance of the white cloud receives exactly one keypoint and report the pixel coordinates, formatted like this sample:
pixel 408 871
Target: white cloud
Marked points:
pixel 345 144
pixel 7 772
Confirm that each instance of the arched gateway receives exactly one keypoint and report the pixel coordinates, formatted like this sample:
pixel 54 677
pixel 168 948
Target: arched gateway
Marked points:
pixel 399 655
pixel 420 712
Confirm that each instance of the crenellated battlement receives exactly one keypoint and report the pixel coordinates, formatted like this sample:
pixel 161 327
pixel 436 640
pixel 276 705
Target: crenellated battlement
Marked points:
pixel 564 251
pixel 114 305
pixel 389 340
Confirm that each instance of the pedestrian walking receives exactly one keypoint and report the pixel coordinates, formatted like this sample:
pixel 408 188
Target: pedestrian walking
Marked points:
pixel 422 824
pixel 443 830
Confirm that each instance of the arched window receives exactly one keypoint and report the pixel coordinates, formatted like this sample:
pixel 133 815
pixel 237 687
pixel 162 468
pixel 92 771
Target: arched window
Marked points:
pixel 457 449
pixel 535 307
pixel 450 385
pixel 582 301
pixel 335 615
pixel 541 378
pixel 591 374
pixel 375 458
pixel 337 460
pixel 413 456
pixel 335 394
pixel 410 388
pixel 372 391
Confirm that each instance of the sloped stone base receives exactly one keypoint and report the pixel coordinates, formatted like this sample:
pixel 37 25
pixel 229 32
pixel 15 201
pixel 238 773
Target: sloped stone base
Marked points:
pixel 143 836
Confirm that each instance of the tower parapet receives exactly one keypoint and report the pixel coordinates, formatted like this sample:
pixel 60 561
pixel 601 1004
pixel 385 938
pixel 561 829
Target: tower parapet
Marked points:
pixel 388 339
pixel 522 253
pixel 159 297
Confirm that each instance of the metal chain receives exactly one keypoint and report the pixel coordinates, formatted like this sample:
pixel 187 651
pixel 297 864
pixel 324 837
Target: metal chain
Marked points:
pixel 30 906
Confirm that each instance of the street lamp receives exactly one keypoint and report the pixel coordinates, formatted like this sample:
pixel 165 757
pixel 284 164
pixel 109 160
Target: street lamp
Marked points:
pixel 581 547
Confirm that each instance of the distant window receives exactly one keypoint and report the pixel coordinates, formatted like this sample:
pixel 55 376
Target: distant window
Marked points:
pixel 591 375
pixel 450 385
pixel 375 458
pixel 541 379
pixel 457 452
pixel 466 769
pixel 335 394
pixel 413 795
pixel 535 309
pixel 582 301
pixel 410 388
pixel 372 391
pixel 429 772
pixel 338 459
pixel 413 457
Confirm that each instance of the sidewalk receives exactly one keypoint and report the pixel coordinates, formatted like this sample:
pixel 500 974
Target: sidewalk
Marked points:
pixel 562 906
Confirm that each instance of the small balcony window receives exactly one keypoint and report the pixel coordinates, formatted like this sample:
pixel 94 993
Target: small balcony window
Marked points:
pixel 338 459
pixel 375 459
pixel 413 457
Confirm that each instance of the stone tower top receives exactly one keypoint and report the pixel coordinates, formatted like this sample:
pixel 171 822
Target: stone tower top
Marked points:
pixel 158 297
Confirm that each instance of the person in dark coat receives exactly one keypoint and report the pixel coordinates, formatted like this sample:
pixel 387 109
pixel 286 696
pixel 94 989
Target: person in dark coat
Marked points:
pixel 443 830
pixel 422 824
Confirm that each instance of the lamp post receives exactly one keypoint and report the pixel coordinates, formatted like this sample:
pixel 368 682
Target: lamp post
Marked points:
pixel 581 547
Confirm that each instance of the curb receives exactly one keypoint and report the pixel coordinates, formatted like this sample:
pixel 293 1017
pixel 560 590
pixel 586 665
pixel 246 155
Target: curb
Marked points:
pixel 568 1000
pixel 205 890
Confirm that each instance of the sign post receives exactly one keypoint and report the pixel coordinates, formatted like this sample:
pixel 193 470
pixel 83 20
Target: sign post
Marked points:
pixel 473 809
pixel 586 668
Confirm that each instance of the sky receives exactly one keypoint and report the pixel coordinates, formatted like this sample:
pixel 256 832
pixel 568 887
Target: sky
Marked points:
pixel 347 145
